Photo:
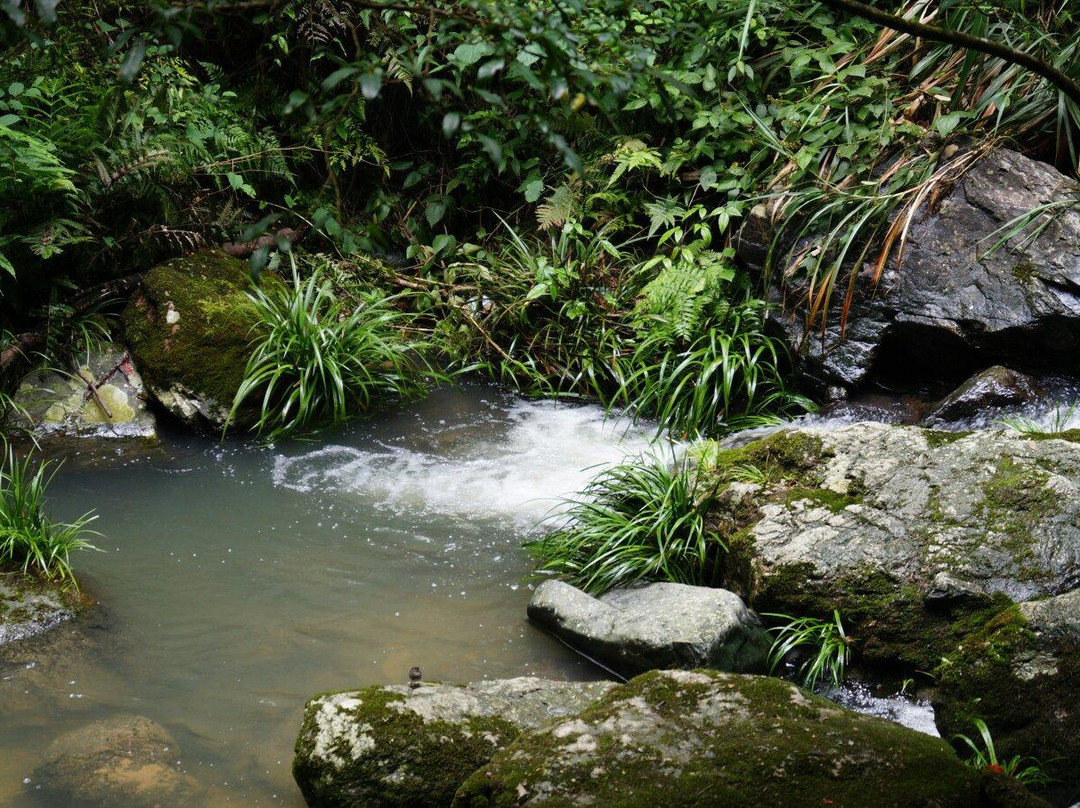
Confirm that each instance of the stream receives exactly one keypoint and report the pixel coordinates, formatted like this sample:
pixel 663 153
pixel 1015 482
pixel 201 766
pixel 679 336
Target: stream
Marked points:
pixel 238 581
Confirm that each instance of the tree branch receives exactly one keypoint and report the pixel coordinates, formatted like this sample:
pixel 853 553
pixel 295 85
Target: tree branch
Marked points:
pixel 1065 83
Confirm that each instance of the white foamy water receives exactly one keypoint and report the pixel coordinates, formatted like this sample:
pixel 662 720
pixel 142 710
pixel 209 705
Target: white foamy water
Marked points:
pixel 517 460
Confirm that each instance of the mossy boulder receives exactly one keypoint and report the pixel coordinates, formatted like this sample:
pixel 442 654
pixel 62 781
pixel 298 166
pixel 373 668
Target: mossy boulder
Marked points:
pixel 190 327
pixel 30 606
pixel 1020 673
pixel 696 738
pixel 906 533
pixel 401 746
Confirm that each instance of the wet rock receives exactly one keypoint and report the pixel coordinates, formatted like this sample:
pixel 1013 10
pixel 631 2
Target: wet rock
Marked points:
pixel 926 542
pixel 1019 672
pixel 886 501
pixel 993 388
pixel 711 739
pixel 60 405
pixel 29 607
pixel 123 761
pixel 190 326
pixel 953 305
pixel 656 626
pixel 398 746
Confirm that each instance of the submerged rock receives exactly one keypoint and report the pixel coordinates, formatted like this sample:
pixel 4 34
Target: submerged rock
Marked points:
pixel 123 761
pixel 711 739
pixel 62 405
pixel 994 387
pixel 399 746
pixel 189 327
pixel 656 626
pixel 953 304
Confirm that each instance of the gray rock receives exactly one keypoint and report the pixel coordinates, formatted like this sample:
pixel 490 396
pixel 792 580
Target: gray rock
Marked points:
pixel 29 607
pixel 656 626
pixel 993 388
pixel 60 405
pixel 691 738
pixel 994 511
pixel 123 761
pixel 952 302
pixel 398 746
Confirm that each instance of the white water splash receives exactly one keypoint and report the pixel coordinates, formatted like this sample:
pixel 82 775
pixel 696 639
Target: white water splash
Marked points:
pixel 515 463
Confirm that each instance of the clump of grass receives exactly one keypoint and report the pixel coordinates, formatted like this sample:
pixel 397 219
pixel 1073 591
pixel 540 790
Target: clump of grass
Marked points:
pixel 325 358
pixel 1058 423
pixel 1025 770
pixel 634 522
pixel 28 537
pixel 831 647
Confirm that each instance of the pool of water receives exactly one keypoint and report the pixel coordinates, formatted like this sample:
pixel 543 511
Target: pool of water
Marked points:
pixel 238 581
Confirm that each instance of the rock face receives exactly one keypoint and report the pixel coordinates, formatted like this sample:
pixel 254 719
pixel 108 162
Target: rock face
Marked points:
pixel 62 404
pixel 950 553
pixel 993 388
pixel 396 746
pixel 955 305
pixel 123 761
pixel 29 608
pixel 691 738
pixel 189 327
pixel 656 626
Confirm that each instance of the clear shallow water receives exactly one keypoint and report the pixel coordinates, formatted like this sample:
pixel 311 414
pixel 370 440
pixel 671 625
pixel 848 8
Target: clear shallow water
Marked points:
pixel 239 581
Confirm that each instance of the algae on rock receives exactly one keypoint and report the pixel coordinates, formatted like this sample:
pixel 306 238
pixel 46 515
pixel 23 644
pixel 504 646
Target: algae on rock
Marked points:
pixel 190 327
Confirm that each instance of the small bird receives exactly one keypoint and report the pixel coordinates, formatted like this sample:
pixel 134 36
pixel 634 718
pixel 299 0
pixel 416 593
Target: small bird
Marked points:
pixel 415 674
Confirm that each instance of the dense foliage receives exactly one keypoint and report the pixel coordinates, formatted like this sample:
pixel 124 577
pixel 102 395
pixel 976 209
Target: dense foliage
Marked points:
pixel 560 185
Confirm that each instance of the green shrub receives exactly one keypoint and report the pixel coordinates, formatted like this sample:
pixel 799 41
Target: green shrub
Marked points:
pixel 28 537
pixel 1028 771
pixel 326 358
pixel 634 522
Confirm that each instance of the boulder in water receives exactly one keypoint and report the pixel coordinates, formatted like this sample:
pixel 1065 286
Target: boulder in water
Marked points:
pixel 126 762
pixel 661 625
pixel 696 738
pixel 61 404
pixel 994 388
pixel 402 746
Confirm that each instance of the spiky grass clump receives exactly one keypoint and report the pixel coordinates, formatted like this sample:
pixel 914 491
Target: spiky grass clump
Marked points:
pixel 326 358
pixel 831 647
pixel 1028 771
pixel 28 537
pixel 634 522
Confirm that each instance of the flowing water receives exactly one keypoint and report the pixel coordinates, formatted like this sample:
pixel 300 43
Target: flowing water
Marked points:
pixel 238 581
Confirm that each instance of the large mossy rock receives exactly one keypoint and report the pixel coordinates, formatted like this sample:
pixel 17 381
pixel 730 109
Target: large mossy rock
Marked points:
pixel 656 626
pixel 399 746
pixel 692 738
pixel 951 553
pixel 952 304
pixel 121 762
pixel 190 326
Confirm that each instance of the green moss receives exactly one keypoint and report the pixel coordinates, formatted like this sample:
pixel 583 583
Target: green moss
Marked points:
pixel 888 622
pixel 1029 715
pixel 206 349
pixel 823 498
pixel 412 763
pixel 1071 435
pixel 1024 271
pixel 772 745
pixel 784 457
pixel 1016 498
pixel 941 437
